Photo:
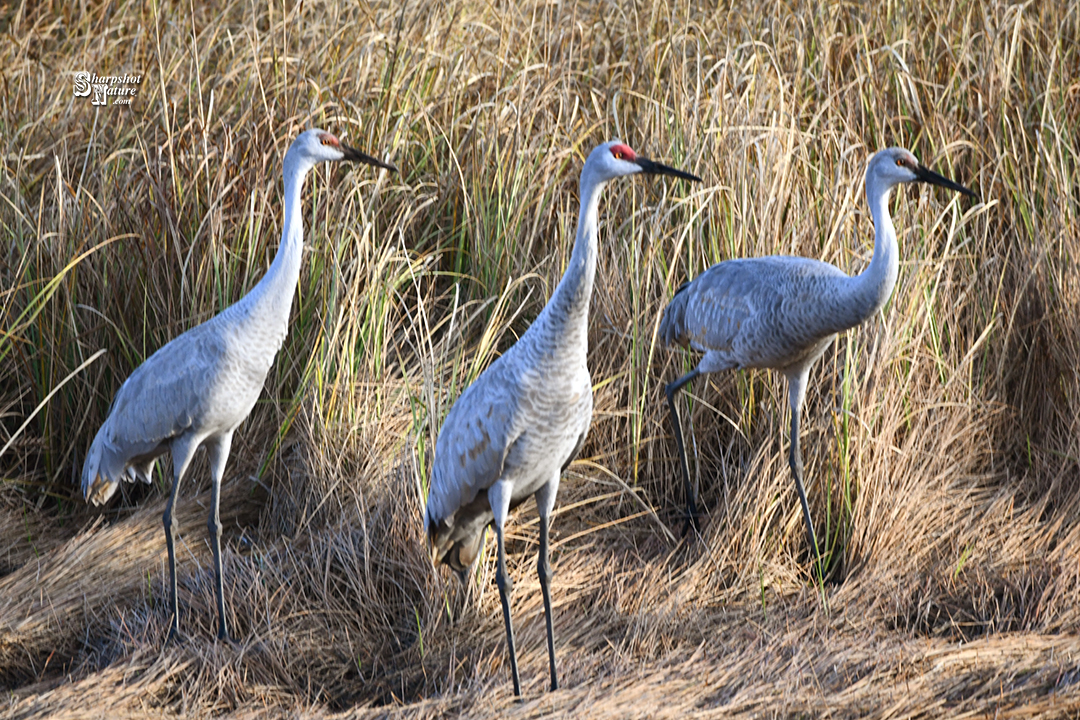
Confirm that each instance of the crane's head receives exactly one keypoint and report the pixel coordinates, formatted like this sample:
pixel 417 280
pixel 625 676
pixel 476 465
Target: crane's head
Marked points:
pixel 316 146
pixel 615 159
pixel 893 166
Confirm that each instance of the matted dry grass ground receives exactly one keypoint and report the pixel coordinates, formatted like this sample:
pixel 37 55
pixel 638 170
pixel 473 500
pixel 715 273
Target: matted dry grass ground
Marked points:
pixel 941 438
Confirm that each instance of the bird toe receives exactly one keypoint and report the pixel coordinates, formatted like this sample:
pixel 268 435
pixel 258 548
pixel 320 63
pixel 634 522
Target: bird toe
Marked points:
pixel 175 638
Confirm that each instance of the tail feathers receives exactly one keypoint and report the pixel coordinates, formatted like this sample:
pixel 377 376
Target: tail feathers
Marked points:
pixel 141 471
pixel 97 486
pixel 462 554
pixel 455 549
pixel 102 472
pixel 673 323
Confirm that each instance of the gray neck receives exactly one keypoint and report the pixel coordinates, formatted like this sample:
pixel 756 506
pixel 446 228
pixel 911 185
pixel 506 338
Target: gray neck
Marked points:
pixel 568 309
pixel 271 299
pixel 870 289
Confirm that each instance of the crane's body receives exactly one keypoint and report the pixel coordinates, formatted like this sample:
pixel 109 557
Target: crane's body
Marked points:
pixel 728 312
pixel 783 312
pixel 516 428
pixel 521 423
pixel 197 388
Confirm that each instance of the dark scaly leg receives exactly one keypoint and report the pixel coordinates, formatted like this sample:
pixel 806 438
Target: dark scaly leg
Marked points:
pixel 545 503
pixel 183 449
pixel 219 455
pixel 499 497
pixel 797 392
pixel 691 500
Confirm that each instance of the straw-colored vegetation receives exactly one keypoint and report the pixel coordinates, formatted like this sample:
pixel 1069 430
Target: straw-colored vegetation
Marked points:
pixel 941 438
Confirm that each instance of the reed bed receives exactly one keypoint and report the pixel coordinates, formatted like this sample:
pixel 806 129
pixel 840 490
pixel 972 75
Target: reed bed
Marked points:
pixel 941 438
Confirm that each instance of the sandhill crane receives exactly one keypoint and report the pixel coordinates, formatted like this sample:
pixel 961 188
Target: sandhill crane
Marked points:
pixel 782 312
pixel 196 389
pixel 517 427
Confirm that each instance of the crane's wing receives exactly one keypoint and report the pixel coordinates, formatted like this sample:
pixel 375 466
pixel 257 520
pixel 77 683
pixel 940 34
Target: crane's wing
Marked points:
pixel 708 312
pixel 729 302
pixel 157 402
pixel 160 399
pixel 472 445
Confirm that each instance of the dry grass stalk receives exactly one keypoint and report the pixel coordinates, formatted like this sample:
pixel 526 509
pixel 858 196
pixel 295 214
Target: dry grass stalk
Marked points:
pixel 941 440
pixel 46 604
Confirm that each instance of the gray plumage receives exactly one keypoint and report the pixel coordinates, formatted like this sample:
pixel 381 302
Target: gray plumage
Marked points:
pixel 783 312
pixel 512 432
pixel 196 389
pixel 769 312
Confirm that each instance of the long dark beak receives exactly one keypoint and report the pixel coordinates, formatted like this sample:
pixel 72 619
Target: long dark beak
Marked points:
pixel 654 168
pixel 355 155
pixel 924 174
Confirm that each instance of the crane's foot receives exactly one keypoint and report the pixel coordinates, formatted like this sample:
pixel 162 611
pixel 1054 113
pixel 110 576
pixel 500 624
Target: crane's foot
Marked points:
pixel 692 520
pixel 224 636
pixel 820 569
pixel 175 637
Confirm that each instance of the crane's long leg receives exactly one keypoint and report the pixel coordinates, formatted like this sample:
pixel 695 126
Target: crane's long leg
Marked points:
pixel 499 497
pixel 545 503
pixel 182 449
pixel 219 455
pixel 691 500
pixel 796 395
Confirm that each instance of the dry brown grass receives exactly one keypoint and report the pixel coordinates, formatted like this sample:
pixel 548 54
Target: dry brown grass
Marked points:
pixel 941 439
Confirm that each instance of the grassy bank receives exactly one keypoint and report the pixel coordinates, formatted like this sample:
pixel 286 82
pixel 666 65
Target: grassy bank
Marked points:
pixel 941 438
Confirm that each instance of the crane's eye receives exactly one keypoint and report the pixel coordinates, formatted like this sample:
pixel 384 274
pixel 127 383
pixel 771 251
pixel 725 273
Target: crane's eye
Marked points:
pixel 618 154
pixel 900 162
pixel 326 141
